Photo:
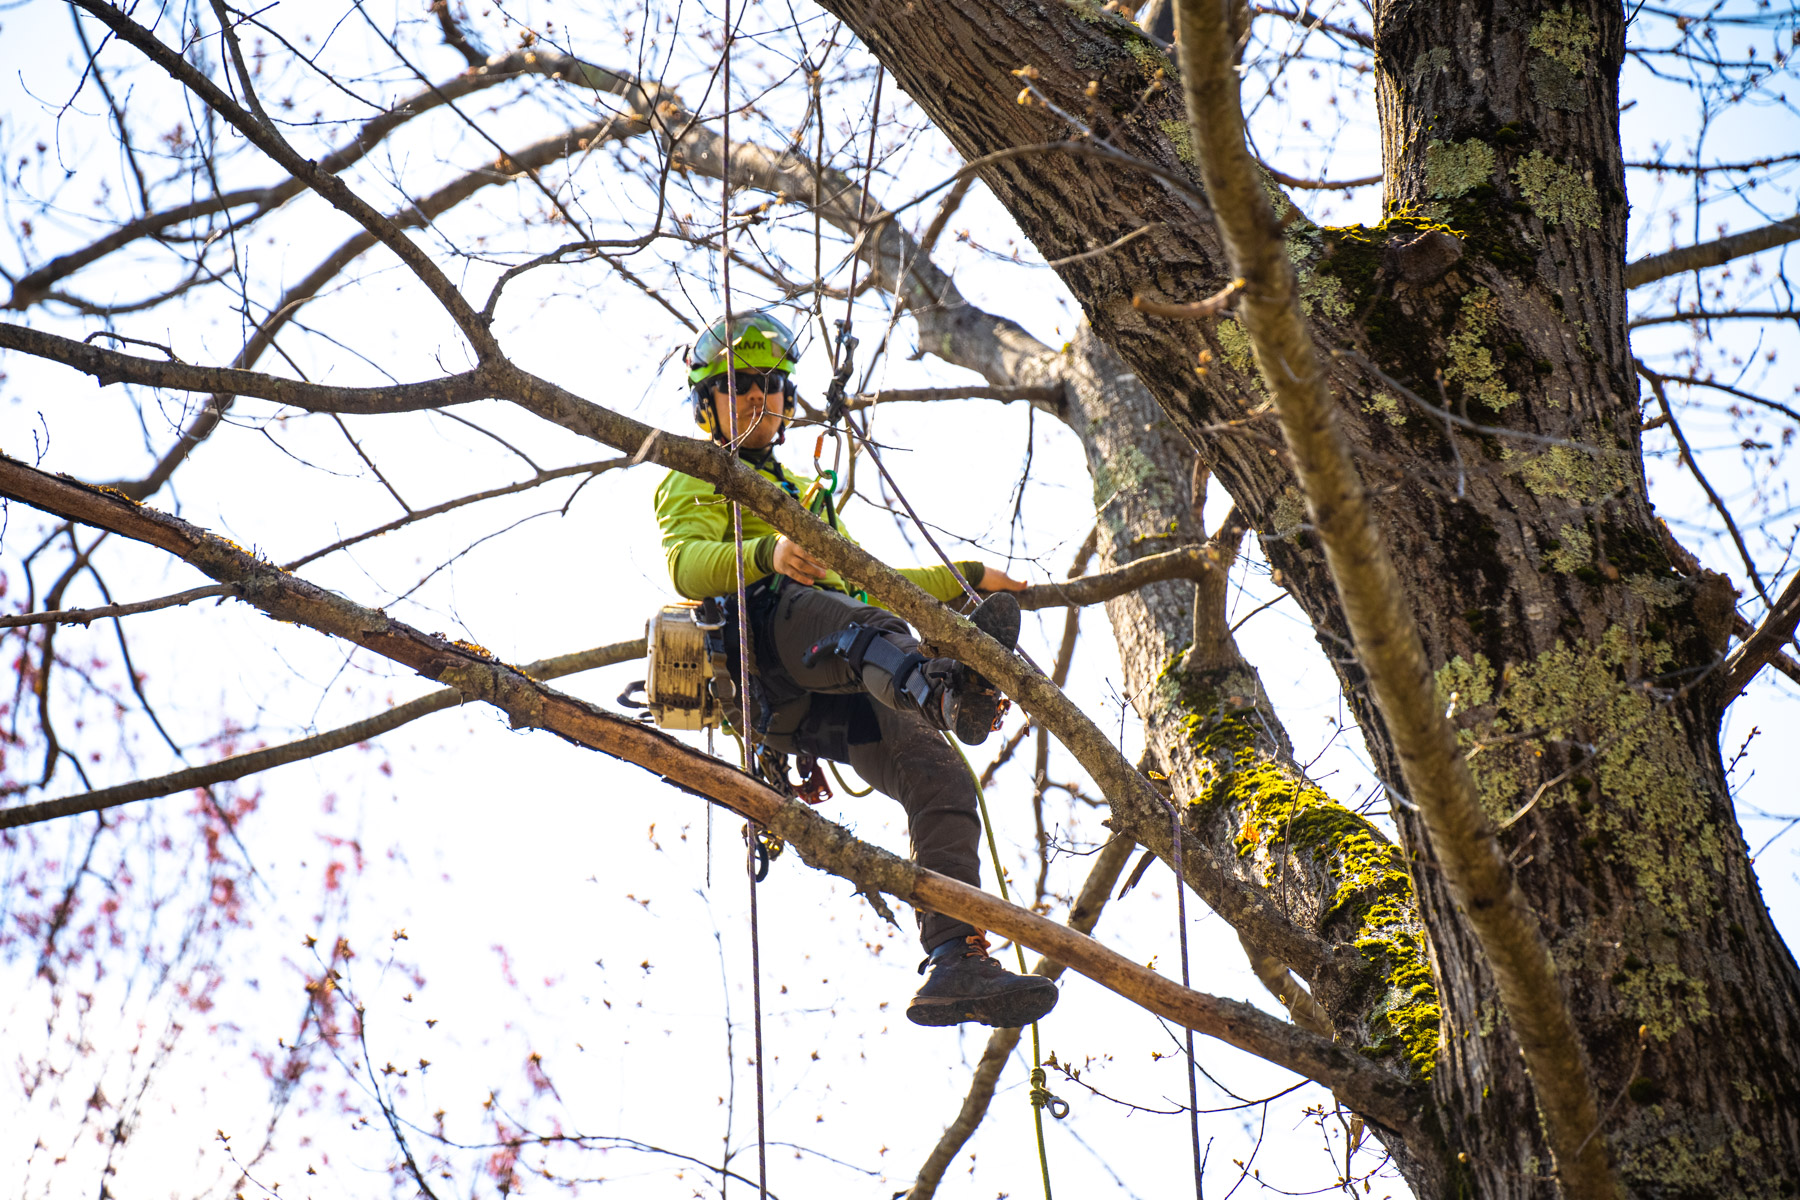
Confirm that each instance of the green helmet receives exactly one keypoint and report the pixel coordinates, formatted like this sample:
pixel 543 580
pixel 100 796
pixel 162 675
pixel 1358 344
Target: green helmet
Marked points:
pixel 758 341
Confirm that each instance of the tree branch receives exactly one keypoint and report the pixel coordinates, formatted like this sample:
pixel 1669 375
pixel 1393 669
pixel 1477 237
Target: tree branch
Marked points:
pixel 1764 643
pixel 820 843
pixel 82 616
pixel 329 187
pixel 238 766
pixel 1189 562
pixel 1710 254
pixel 111 366
pixel 1385 634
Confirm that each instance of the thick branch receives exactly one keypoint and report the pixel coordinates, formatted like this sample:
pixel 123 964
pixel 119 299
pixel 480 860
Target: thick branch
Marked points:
pixel 1386 638
pixel 820 843
pixel 1189 562
pixel 1710 254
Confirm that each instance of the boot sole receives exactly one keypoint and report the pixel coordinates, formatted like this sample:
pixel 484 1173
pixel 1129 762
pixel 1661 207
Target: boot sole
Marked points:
pixel 998 617
pixel 1008 1011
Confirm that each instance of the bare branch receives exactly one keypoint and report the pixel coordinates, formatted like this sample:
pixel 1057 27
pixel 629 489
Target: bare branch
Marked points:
pixel 1005 395
pixel 1212 306
pixel 1385 1096
pixel 81 616
pixel 1688 460
pixel 1741 314
pixel 1320 185
pixel 110 366
pixel 1386 636
pixel 332 189
pixel 239 766
pixel 1710 254
pixel 1189 562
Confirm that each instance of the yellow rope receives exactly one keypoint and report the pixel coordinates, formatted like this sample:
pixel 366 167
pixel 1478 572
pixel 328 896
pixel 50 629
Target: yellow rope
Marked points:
pixel 1040 1094
pixel 848 790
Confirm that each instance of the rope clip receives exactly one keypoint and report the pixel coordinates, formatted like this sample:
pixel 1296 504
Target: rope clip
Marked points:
pixel 1042 1097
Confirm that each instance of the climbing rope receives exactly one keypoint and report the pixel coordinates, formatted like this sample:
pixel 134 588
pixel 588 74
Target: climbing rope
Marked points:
pixel 1181 917
pixel 743 613
pixel 1040 1094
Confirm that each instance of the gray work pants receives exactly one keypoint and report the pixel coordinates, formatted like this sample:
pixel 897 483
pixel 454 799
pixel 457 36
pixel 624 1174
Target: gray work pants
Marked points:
pixel 909 760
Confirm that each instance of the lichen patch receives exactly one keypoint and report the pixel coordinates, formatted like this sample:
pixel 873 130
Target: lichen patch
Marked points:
pixel 1557 194
pixel 1454 169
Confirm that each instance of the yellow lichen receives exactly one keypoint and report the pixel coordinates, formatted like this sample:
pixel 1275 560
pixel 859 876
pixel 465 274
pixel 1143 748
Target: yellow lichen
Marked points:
pixel 1629 782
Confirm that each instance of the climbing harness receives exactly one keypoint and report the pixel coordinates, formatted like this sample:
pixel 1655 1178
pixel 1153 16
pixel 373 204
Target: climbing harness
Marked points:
pixel 1041 1096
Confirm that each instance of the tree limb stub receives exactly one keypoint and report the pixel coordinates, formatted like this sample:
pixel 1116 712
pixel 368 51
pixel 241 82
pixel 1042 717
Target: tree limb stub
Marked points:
pixel 1711 254
pixel 1385 1097
pixel 1386 636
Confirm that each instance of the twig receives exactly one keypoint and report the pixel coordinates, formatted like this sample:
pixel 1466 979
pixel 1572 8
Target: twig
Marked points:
pixel 81 616
pixel 1212 306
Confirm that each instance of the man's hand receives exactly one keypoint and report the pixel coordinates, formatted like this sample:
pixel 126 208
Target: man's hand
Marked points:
pixel 993 579
pixel 798 565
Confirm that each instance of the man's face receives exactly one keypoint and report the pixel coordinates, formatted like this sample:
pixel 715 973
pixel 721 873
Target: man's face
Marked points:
pixel 757 413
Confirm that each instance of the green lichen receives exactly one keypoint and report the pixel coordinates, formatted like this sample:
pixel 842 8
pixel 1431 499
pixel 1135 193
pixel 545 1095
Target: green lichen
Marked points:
pixel 1571 474
pixel 1288 516
pixel 1128 469
pixel 1279 815
pixel 1558 194
pixel 1454 169
pixel 1633 795
pixel 1565 37
pixel 1471 363
pixel 1664 1151
pixel 1182 139
pixel 1386 407
pixel 1564 40
pixel 1234 343
pixel 1438 58
pixel 1658 591
pixel 1574 550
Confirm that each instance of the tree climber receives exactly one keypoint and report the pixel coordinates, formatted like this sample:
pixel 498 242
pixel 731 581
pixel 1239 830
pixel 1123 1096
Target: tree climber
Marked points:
pixel 834 675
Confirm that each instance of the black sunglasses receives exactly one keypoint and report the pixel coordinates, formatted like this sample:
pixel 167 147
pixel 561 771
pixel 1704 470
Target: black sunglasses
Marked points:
pixel 767 381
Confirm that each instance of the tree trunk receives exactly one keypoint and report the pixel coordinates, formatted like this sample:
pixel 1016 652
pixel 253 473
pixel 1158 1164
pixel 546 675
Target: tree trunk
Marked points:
pixel 1579 664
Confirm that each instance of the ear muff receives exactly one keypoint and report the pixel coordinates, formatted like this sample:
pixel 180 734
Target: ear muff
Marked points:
pixel 705 415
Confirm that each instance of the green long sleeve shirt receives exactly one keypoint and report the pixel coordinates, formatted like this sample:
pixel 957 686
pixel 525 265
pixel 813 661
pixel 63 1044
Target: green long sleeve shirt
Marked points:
pixel 697 542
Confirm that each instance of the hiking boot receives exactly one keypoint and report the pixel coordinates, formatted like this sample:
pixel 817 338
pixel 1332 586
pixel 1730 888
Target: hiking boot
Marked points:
pixel 967 984
pixel 968 704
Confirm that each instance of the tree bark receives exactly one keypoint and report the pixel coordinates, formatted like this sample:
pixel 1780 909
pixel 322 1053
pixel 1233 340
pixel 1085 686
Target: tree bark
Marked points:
pixel 1581 669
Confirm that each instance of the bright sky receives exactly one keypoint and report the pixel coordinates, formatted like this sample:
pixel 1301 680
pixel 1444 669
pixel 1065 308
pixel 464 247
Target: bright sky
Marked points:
pixel 557 903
